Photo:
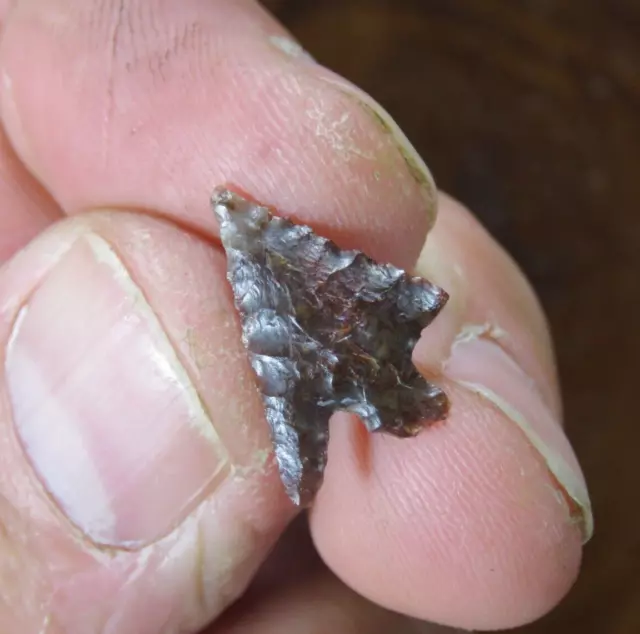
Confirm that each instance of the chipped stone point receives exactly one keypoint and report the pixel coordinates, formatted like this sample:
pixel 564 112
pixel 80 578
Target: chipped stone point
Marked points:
pixel 326 330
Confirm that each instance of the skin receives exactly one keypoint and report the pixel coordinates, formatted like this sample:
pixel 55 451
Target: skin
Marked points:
pixel 118 120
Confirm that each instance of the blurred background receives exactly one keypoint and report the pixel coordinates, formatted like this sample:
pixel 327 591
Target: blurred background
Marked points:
pixel 529 112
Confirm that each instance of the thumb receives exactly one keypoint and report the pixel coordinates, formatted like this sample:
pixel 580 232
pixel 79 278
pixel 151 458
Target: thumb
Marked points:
pixel 135 485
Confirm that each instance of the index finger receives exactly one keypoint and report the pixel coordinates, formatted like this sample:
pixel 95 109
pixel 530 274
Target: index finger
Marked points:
pixel 150 108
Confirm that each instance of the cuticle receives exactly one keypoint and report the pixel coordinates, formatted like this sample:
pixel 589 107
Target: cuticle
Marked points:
pixel 174 344
pixel 179 356
pixel 493 333
pixel 486 331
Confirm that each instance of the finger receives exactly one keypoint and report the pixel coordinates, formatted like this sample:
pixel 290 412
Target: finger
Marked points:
pixel 26 207
pixel 171 99
pixel 476 522
pixel 136 489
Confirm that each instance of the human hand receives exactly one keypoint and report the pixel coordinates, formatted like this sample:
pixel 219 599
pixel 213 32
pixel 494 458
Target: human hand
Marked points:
pixel 137 492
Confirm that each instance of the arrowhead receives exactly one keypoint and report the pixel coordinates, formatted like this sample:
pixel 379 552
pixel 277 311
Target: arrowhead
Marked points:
pixel 326 330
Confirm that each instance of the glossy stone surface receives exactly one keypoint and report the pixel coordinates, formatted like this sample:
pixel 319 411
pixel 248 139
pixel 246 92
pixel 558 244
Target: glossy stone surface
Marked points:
pixel 326 330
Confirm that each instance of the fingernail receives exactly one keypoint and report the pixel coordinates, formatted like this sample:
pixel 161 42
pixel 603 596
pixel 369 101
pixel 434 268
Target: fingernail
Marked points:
pixel 105 411
pixel 414 162
pixel 484 368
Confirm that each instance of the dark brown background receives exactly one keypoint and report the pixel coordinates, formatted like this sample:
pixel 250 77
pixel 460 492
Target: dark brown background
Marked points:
pixel 529 112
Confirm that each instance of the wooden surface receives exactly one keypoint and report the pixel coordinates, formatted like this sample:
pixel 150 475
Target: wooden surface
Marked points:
pixel 529 112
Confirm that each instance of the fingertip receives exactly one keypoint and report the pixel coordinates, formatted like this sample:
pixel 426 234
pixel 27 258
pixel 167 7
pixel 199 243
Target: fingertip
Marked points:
pixel 462 525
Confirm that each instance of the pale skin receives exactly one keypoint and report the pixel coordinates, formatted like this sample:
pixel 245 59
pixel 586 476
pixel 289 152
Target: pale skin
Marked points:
pixel 138 493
